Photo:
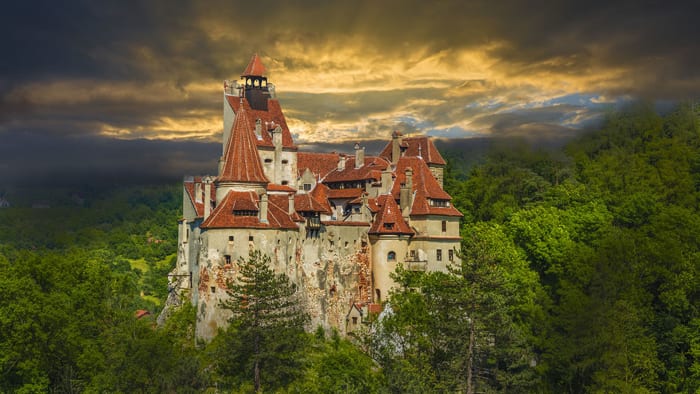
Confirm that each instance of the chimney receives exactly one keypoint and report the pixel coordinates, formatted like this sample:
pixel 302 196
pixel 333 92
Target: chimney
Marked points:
pixel 263 208
pixel 341 162
pixel 386 181
pixel 395 147
pixel 406 193
pixel 291 203
pixel 359 155
pixel 197 191
pixel 207 197
pixel 258 129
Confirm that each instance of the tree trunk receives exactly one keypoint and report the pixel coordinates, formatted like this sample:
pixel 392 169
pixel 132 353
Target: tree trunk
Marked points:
pixel 257 364
pixel 470 357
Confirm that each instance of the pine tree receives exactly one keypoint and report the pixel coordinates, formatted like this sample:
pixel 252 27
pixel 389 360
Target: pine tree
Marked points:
pixel 266 326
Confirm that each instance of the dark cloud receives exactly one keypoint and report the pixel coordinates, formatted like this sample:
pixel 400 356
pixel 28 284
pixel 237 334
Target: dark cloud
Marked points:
pixel 44 160
pixel 155 56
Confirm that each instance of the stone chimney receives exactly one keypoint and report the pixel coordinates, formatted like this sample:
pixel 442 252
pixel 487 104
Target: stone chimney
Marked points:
pixel 258 128
pixel 263 208
pixel 197 191
pixel 207 197
pixel 359 156
pixel 406 193
pixel 291 203
pixel 341 162
pixel 386 181
pixel 396 141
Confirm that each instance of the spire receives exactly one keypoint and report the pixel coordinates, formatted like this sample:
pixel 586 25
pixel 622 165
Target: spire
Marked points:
pixel 242 162
pixel 255 67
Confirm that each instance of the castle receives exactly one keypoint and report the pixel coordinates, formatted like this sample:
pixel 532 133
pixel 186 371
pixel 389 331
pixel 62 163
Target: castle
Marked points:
pixel 336 224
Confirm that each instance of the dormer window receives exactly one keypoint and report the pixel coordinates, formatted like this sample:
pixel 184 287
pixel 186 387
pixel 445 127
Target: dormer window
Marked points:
pixel 245 213
pixel 389 226
pixel 439 203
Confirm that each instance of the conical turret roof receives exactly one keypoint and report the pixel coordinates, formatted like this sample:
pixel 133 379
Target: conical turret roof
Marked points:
pixel 255 67
pixel 242 162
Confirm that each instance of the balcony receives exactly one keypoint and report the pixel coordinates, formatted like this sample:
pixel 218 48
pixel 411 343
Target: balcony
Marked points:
pixel 313 223
pixel 413 263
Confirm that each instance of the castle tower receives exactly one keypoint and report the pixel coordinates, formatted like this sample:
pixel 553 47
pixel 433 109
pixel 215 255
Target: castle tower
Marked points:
pixel 241 168
pixel 255 84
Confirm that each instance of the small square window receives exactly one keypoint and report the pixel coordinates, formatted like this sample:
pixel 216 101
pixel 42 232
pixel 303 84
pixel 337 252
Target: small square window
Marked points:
pixel 213 289
pixel 307 186
pixel 250 238
pixel 230 238
pixel 354 320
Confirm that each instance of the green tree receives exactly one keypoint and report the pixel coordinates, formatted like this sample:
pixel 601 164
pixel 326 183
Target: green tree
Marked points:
pixel 266 332
pixel 466 330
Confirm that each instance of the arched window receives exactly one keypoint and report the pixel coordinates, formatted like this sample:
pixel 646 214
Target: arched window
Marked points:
pixel 391 256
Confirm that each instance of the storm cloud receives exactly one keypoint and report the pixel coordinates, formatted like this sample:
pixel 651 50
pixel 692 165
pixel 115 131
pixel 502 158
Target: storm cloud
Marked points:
pixel 135 75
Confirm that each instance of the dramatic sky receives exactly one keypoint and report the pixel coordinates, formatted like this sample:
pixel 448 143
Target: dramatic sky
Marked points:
pixel 127 85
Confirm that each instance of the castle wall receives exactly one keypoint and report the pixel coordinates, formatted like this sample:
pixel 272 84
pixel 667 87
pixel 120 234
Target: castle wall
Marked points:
pixel 329 269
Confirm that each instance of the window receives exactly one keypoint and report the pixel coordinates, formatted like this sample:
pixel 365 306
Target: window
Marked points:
pixel 213 289
pixel 389 226
pixel 439 255
pixel 439 203
pixel 268 161
pixel 230 238
pixel 245 213
pixel 412 253
pixel 451 255
pixel 354 320
pixel 307 186
pixel 285 161
pixel 391 256
pixel 285 182
pixel 250 238
pixel 227 258
pixel 444 226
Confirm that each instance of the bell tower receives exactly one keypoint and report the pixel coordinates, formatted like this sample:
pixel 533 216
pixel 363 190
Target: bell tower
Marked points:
pixel 255 84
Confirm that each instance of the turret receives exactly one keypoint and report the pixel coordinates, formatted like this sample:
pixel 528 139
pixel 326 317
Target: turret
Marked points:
pixel 255 84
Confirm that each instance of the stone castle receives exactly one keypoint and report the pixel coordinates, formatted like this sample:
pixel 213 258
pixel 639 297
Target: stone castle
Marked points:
pixel 336 224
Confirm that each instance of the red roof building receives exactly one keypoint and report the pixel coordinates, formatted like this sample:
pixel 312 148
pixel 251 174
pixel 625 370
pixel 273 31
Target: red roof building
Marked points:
pixel 327 220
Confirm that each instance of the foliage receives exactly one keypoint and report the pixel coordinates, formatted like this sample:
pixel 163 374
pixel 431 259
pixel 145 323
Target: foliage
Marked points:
pixel 266 334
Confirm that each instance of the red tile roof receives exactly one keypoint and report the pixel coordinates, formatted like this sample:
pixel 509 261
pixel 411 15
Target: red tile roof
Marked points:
pixel 305 202
pixel 242 162
pixel 320 194
pixel 425 186
pixel 343 223
pixel 255 67
pixel 345 193
pixel 223 217
pixel 199 206
pixel 372 169
pixel 273 187
pixel 320 164
pixel 427 150
pixel 270 119
pixel 389 219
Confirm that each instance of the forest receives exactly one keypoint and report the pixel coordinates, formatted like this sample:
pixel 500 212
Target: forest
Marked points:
pixel 579 273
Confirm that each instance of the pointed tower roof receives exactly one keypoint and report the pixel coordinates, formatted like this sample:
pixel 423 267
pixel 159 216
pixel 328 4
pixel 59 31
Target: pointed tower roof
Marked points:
pixel 389 219
pixel 255 67
pixel 242 162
